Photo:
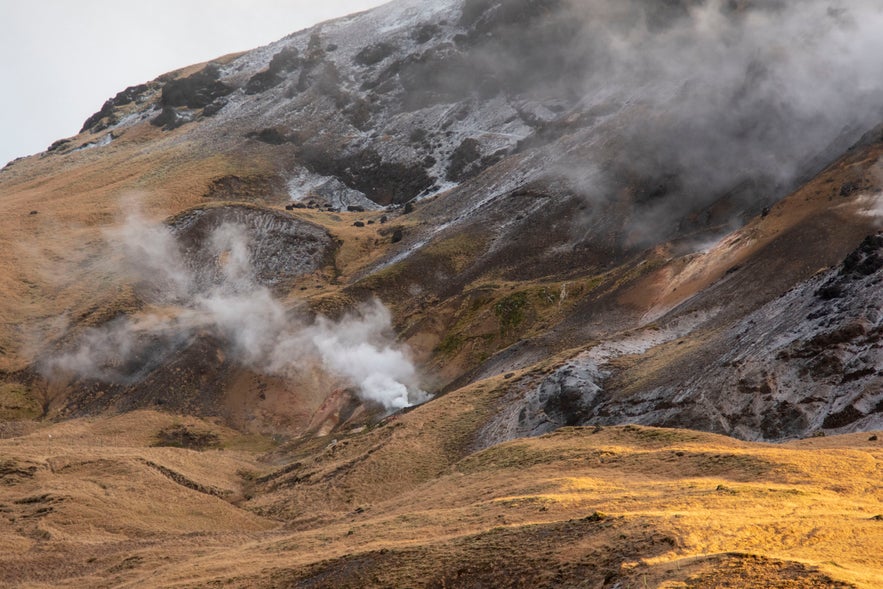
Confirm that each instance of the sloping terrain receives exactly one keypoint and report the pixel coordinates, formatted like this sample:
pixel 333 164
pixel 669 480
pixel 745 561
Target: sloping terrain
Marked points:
pixel 401 505
pixel 404 299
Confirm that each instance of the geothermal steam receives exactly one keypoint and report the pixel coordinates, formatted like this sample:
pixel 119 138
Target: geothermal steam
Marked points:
pixel 357 351
pixel 688 102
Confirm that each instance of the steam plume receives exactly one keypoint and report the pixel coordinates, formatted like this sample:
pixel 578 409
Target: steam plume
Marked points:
pixel 359 350
pixel 683 103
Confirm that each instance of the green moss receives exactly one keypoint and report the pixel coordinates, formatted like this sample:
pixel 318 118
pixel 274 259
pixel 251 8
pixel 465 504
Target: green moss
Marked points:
pixel 17 402
pixel 510 311
pixel 450 345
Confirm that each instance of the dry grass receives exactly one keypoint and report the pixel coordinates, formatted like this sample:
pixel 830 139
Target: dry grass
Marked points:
pixel 405 504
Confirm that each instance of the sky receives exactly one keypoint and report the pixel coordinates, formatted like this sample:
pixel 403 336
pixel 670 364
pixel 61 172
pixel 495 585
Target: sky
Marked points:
pixel 62 59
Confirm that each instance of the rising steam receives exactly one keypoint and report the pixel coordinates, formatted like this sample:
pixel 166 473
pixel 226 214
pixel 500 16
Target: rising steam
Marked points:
pixel 685 103
pixel 358 351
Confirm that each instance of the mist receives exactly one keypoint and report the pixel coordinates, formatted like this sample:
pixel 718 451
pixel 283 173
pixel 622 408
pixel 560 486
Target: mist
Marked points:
pixel 358 351
pixel 682 104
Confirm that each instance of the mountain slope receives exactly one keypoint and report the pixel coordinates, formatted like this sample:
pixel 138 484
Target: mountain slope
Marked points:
pixel 374 277
pixel 531 180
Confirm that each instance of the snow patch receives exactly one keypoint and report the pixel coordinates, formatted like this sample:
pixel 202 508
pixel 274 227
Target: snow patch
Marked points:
pixel 103 142
pixel 305 185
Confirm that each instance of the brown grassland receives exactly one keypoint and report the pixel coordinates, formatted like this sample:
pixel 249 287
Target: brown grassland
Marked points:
pixel 96 503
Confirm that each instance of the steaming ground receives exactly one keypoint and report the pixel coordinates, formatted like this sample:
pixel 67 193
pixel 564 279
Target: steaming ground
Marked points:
pixel 358 351
pixel 707 101
pixel 571 168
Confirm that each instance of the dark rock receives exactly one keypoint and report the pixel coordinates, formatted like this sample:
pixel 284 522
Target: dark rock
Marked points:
pixel 425 33
pixel 873 438
pixel 169 119
pixel 783 420
pixel 850 188
pixel 358 224
pixel 59 145
pixel 374 54
pixel 418 135
pixel 381 181
pixel 270 136
pixel 34 212
pixel 287 60
pixel 214 108
pixel 262 81
pixel 127 96
pixel 100 120
pixel 866 259
pixel 595 517
pixel 355 209
pixel 196 91
pixel 842 418
pixel 397 235
pixel 468 152
pixel 829 292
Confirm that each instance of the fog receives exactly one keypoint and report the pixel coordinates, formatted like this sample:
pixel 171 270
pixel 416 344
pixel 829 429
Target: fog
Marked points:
pixel 685 103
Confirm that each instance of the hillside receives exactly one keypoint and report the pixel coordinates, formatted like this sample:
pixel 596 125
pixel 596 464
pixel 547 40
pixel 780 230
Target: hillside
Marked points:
pixel 465 293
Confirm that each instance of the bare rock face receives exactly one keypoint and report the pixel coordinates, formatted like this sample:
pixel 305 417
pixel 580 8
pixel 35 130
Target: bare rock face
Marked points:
pixel 196 91
pixel 804 363
pixel 276 246
pixel 566 397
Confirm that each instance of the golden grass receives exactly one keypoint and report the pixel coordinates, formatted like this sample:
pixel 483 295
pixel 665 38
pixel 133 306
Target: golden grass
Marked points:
pixel 653 505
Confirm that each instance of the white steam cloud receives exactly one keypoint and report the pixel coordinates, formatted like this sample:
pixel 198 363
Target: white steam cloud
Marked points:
pixel 358 351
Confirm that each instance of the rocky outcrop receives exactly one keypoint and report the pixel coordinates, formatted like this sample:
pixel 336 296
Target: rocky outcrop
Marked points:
pixel 805 363
pixel 566 397
pixel 279 247
pixel 197 90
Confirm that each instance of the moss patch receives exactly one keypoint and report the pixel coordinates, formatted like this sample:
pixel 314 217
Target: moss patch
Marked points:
pixel 16 402
pixel 510 312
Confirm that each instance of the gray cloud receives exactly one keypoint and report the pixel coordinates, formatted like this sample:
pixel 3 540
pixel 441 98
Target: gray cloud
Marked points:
pixel 739 102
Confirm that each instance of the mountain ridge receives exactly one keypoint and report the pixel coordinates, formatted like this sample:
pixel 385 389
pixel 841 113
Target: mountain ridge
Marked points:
pixel 430 283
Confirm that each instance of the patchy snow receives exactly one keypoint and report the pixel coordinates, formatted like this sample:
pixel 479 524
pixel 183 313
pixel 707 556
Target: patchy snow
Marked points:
pixel 104 141
pixel 304 186
pixel 643 340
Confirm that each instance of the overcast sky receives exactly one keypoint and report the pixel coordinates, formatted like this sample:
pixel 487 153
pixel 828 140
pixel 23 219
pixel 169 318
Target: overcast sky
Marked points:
pixel 61 59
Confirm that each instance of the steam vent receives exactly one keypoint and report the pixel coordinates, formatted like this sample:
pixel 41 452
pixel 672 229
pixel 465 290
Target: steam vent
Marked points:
pixel 460 294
